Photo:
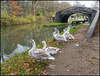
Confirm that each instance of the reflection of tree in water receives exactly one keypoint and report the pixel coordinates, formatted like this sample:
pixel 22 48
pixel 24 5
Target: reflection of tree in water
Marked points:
pixel 17 36
pixel 16 51
pixel 43 34
pixel 9 30
pixel 6 45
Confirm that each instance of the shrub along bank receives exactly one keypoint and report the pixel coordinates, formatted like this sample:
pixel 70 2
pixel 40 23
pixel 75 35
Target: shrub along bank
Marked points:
pixel 10 21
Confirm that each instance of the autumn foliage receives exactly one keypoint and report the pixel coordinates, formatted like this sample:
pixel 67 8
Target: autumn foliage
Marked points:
pixel 14 8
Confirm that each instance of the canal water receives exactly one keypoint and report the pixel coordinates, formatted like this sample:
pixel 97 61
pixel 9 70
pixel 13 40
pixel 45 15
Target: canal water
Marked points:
pixel 14 39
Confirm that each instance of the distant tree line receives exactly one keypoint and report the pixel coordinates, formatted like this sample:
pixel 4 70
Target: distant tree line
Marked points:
pixel 19 8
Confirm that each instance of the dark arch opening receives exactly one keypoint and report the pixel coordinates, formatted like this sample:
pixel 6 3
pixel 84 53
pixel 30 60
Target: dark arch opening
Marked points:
pixel 64 18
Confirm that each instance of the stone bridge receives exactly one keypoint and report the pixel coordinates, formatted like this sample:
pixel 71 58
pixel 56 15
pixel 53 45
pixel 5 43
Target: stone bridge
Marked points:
pixel 63 15
pixel 92 14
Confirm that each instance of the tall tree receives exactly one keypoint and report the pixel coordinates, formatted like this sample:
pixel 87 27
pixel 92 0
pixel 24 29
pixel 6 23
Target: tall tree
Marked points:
pixel 3 6
pixel 33 6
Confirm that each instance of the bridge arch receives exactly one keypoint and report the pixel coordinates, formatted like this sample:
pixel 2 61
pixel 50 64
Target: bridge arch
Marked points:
pixel 64 18
pixel 63 15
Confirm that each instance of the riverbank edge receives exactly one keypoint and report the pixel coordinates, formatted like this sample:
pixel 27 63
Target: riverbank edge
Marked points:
pixel 23 54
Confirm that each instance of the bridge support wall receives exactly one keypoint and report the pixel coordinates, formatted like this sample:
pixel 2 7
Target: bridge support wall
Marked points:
pixel 58 17
pixel 93 25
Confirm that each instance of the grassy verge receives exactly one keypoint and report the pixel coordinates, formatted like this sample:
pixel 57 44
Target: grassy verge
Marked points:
pixel 72 30
pixel 54 24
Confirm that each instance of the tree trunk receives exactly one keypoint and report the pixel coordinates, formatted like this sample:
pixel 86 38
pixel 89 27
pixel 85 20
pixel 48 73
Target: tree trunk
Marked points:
pixel 33 7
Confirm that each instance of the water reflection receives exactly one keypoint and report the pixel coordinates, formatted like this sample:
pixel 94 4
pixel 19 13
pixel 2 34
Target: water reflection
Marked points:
pixel 19 49
pixel 15 39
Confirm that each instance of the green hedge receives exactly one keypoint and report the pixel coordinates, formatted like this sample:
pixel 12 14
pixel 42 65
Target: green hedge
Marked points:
pixel 9 21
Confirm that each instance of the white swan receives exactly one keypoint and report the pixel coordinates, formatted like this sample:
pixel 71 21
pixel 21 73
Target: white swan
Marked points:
pixel 39 54
pixel 67 34
pixel 67 29
pixel 57 36
pixel 50 50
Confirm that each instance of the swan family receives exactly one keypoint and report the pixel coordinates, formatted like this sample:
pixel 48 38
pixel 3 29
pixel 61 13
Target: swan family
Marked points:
pixel 67 34
pixel 50 50
pixel 57 36
pixel 46 52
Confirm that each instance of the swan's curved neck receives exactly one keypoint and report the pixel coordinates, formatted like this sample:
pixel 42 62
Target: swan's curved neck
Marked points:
pixel 57 31
pixel 33 44
pixel 44 45
pixel 54 34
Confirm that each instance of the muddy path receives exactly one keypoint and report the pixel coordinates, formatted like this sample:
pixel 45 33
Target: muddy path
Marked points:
pixel 78 57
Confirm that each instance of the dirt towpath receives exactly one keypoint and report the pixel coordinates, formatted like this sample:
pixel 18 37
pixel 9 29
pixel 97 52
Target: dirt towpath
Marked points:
pixel 78 57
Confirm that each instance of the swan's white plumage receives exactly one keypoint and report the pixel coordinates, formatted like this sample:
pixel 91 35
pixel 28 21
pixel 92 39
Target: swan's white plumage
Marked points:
pixel 67 34
pixel 39 54
pixel 58 37
pixel 50 50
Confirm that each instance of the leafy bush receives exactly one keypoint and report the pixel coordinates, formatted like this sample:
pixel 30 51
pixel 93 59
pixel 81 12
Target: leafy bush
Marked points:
pixel 40 18
pixel 31 18
pixel 38 13
pixel 7 21
pixel 4 15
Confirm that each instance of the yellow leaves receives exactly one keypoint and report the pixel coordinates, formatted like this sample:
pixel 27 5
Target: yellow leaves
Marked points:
pixel 13 16
pixel 9 68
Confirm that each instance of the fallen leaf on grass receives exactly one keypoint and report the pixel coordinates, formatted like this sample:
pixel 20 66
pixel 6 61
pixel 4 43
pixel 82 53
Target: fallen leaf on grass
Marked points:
pixel 27 62
pixel 27 71
pixel 37 65
pixel 11 73
pixel 16 65
pixel 35 68
pixel 27 65
pixel 9 68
